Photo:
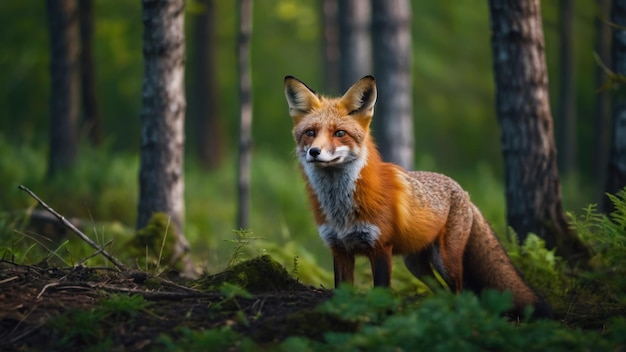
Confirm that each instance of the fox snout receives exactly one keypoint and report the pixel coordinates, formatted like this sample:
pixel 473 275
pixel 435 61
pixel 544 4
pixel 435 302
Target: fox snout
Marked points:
pixel 313 153
pixel 323 157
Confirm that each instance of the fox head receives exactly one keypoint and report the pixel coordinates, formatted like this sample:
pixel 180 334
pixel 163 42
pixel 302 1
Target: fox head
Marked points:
pixel 331 132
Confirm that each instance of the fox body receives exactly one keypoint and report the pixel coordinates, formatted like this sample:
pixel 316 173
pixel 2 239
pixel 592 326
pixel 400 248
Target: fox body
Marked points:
pixel 364 206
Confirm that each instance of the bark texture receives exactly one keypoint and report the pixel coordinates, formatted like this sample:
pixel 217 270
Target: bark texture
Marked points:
pixel 64 97
pixel 355 44
pixel 330 45
pixel 533 187
pixel 92 124
pixel 206 109
pixel 161 182
pixel 393 120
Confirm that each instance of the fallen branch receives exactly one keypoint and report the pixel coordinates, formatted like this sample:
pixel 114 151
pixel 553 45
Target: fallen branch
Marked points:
pixel 69 225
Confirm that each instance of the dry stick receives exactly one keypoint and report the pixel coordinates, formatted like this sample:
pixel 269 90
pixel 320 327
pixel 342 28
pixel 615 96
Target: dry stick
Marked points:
pixel 69 225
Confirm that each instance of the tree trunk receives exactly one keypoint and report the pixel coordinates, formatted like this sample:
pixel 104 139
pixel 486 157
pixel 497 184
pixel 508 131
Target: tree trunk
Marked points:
pixel 393 121
pixel 206 109
pixel 533 188
pixel 63 28
pixel 92 124
pixel 330 45
pixel 354 42
pixel 602 104
pixel 161 182
pixel 616 173
pixel 567 118
pixel 245 113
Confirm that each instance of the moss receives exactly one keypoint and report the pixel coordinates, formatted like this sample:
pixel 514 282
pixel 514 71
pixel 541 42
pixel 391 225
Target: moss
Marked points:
pixel 258 275
pixel 151 238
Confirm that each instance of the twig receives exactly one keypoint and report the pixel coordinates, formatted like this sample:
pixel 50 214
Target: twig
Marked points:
pixel 9 280
pixel 69 225
pixel 52 284
pixel 80 262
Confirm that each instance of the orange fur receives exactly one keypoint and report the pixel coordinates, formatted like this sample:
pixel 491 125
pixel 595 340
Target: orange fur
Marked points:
pixel 364 206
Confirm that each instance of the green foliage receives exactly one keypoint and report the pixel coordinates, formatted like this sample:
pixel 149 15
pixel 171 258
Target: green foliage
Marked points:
pixel 606 234
pixel 541 268
pixel 607 237
pixel 221 339
pixel 120 306
pixel 231 291
pixel 448 322
pixel 348 304
pixel 90 328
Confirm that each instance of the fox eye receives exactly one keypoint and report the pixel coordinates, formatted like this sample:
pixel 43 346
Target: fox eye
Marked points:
pixel 340 133
pixel 309 133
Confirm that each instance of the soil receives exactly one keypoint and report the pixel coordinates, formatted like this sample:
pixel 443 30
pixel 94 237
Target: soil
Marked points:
pixel 40 306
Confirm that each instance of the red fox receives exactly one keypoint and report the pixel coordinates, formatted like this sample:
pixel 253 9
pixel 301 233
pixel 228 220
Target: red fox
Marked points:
pixel 364 206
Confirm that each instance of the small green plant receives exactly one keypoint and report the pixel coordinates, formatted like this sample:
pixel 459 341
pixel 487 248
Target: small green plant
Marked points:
pixel 79 328
pixel 119 306
pixel 242 241
pixel 605 234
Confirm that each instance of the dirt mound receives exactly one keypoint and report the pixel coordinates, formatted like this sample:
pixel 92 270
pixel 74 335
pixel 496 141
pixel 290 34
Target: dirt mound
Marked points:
pixel 45 308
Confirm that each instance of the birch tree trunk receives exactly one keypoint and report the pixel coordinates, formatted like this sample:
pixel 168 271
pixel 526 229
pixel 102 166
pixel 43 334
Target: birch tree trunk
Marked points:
pixel 393 120
pixel 161 182
pixel 533 187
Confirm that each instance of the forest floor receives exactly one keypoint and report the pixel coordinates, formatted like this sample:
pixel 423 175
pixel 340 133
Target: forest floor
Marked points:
pixel 44 308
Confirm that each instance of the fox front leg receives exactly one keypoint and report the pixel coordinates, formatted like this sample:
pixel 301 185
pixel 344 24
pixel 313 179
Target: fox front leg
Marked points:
pixel 343 263
pixel 380 261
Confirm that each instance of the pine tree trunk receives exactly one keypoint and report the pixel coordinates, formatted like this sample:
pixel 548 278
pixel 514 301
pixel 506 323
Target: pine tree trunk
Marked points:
pixel 161 182
pixel 64 101
pixel 393 120
pixel 92 124
pixel 354 42
pixel 245 113
pixel 533 188
pixel 616 173
pixel 206 107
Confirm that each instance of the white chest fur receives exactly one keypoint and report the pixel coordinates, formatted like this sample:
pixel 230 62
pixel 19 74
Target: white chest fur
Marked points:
pixel 335 188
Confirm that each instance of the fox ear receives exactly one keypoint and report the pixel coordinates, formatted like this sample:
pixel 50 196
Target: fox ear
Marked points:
pixel 361 97
pixel 300 97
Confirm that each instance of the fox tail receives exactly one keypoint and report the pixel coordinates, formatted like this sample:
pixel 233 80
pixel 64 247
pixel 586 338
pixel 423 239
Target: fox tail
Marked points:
pixel 487 265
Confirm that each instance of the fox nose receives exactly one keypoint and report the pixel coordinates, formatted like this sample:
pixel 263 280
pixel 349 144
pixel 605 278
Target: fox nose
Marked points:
pixel 314 152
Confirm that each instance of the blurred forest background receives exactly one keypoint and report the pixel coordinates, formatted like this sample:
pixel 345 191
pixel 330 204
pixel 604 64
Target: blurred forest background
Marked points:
pixel 455 126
